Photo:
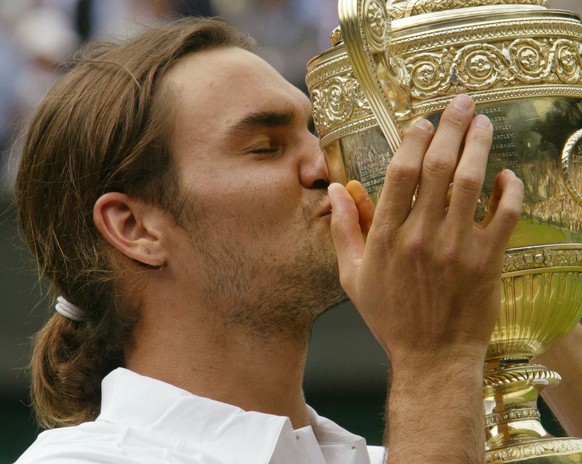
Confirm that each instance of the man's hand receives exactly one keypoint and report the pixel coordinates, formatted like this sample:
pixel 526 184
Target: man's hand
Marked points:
pixel 427 280
pixel 428 277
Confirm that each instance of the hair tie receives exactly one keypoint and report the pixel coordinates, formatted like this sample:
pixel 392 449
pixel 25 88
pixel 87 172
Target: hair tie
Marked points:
pixel 69 310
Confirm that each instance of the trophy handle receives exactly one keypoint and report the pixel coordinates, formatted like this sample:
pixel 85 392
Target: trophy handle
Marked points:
pixel 366 28
pixel 571 161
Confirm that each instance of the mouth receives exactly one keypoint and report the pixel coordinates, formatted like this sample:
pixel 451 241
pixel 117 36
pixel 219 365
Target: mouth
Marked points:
pixel 326 210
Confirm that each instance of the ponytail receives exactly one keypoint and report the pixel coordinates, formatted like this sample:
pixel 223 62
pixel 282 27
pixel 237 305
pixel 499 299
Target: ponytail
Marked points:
pixel 105 127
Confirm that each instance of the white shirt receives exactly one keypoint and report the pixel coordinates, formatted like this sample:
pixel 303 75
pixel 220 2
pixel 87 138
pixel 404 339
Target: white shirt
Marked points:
pixel 145 421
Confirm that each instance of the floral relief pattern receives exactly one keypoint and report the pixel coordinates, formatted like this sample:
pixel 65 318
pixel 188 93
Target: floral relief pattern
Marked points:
pixel 336 101
pixel 377 25
pixel 491 60
pixel 485 66
pixel 539 448
pixel 405 8
pixel 539 259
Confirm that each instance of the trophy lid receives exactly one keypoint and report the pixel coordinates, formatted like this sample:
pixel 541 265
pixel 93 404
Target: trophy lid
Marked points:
pixel 492 49
pixel 406 8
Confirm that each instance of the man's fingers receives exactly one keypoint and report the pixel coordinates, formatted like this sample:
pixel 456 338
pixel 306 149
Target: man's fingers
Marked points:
pixel 364 204
pixel 470 173
pixel 346 233
pixel 402 176
pixel 506 205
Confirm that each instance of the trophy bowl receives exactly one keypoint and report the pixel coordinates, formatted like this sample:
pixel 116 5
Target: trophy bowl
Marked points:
pixel 391 64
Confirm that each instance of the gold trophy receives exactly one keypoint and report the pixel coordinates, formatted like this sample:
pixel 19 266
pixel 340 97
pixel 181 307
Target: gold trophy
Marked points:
pixel 392 63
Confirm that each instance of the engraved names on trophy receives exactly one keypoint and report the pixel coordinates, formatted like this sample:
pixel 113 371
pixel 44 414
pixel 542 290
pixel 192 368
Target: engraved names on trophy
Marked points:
pixel 366 156
pixel 504 145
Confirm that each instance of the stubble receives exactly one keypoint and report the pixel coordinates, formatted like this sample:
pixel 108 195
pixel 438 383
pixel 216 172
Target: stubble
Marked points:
pixel 256 291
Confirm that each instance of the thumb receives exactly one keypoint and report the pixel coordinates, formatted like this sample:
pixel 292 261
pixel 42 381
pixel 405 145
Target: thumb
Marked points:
pixel 346 233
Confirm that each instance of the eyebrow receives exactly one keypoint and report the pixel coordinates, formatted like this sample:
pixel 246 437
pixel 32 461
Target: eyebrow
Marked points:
pixel 261 119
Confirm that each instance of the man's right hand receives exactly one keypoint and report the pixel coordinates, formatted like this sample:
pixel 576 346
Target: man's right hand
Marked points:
pixel 427 279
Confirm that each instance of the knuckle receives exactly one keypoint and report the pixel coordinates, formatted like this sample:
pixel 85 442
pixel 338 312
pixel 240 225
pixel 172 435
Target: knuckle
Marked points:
pixel 486 264
pixel 468 182
pixel 386 231
pixel 417 245
pixel 455 121
pixel 400 171
pixel 438 165
pixel 511 214
pixel 481 137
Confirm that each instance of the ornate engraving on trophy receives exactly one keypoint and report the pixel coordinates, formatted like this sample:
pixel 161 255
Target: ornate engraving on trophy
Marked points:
pixel 339 104
pixel 341 97
pixel 535 450
pixel 500 64
pixel 520 260
pixel 495 419
pixel 376 25
pixel 404 8
pixel 567 57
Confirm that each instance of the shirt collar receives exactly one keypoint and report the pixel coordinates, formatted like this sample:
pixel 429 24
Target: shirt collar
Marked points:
pixel 170 413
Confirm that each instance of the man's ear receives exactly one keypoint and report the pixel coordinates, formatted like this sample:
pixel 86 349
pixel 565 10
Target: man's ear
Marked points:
pixel 132 227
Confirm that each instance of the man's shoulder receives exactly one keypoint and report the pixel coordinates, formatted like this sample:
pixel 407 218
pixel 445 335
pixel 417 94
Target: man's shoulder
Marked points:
pixel 86 443
pixel 99 442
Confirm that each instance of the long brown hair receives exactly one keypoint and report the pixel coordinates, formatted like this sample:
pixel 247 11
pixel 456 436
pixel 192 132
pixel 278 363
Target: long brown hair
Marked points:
pixel 106 126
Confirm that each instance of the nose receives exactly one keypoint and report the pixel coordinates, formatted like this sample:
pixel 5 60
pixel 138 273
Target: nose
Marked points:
pixel 313 170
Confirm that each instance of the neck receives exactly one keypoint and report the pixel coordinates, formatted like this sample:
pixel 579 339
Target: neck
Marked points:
pixel 223 362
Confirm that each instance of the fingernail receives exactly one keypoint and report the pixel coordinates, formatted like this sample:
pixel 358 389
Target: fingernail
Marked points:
pixel 482 121
pixel 424 125
pixel 463 102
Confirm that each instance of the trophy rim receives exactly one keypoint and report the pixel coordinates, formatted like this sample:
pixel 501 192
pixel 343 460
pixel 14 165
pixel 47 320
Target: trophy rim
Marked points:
pixel 460 15
pixel 501 12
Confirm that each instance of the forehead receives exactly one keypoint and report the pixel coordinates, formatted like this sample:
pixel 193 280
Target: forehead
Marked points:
pixel 216 88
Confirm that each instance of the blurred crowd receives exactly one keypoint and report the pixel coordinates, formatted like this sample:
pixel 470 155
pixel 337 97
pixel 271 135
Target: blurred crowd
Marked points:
pixel 39 37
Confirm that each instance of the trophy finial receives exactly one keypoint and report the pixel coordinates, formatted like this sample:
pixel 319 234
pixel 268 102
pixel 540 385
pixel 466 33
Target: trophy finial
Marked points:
pixel 335 37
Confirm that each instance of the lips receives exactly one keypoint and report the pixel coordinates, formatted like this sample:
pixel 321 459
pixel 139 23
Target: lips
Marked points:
pixel 326 210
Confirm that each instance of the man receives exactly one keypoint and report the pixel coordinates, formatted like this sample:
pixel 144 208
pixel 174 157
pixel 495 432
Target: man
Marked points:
pixel 171 190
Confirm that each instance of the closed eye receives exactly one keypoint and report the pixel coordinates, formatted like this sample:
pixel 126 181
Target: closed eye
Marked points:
pixel 274 150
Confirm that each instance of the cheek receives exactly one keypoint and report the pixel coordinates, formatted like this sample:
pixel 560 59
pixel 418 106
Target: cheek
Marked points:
pixel 261 196
pixel 252 200
pixel 251 211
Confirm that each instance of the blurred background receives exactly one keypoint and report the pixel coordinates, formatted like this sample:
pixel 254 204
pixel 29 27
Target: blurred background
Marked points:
pixel 346 370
